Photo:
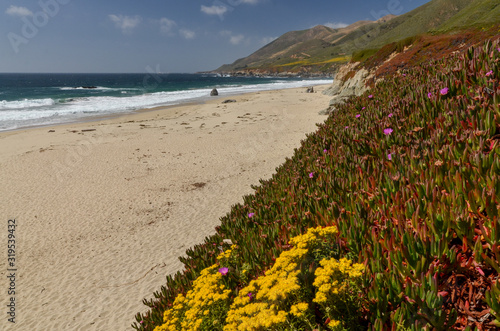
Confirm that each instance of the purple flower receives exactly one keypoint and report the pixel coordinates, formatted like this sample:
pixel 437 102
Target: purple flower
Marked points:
pixel 370 96
pixel 250 295
pixel 363 108
pixel 404 75
pixel 250 215
pixel 358 116
pixel 498 49
pixel 389 156
pixel 489 73
pixel 388 131
pixel 223 271
pixel 429 95
pixel 390 115
pixel 444 91
pixel 311 175
pixel 325 151
pixel 346 127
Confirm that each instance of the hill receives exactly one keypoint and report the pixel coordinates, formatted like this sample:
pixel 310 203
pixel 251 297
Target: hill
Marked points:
pixel 322 49
pixel 479 13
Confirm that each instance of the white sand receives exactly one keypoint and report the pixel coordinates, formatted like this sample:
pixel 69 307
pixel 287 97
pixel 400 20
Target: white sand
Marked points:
pixel 104 215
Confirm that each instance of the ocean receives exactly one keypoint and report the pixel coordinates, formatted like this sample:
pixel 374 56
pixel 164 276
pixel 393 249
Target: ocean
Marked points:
pixel 28 100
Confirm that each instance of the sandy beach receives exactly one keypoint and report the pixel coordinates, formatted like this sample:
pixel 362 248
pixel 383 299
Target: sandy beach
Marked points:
pixel 105 208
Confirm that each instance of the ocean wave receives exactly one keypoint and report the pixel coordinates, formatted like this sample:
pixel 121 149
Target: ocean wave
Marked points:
pixel 22 113
pixel 26 104
pixel 96 88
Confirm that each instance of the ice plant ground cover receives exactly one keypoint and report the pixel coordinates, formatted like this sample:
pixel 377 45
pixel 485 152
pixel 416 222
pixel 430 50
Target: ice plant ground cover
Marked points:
pixel 424 222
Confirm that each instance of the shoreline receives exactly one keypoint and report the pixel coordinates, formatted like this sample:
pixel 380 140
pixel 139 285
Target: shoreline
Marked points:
pixel 225 91
pixel 105 208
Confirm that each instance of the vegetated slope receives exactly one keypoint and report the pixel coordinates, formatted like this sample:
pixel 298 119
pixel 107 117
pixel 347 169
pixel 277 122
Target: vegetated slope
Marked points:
pixel 418 21
pixel 293 46
pixel 410 176
pixel 323 49
pixel 479 13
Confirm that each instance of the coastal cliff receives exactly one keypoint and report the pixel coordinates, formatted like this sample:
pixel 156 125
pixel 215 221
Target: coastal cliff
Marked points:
pixel 349 81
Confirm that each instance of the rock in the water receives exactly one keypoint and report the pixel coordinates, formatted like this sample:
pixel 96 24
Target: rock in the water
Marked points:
pixel 310 90
pixel 229 101
pixel 214 93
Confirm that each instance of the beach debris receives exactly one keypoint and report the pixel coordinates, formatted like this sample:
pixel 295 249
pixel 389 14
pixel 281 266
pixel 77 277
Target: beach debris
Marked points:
pixel 310 90
pixel 88 130
pixel 229 101
pixel 214 93
pixel 52 131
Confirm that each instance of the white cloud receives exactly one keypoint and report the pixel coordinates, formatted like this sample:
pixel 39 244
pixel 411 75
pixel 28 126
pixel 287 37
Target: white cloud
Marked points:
pixel 18 11
pixel 236 40
pixel 335 25
pixel 214 10
pixel 188 34
pixel 167 25
pixel 251 2
pixel 233 39
pixel 125 23
pixel 267 40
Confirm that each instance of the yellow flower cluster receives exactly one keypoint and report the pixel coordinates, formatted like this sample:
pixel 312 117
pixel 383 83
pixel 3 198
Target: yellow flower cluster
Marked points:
pixel 299 309
pixel 333 276
pixel 202 304
pixel 227 254
pixel 262 304
pixel 334 324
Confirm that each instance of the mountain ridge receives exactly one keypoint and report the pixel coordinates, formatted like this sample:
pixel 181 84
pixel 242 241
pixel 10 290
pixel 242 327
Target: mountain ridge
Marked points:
pixel 321 50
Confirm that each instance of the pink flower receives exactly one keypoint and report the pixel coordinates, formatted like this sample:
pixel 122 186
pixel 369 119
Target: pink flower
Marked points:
pixel 358 116
pixel 370 96
pixel 363 108
pixel 404 75
pixel 223 271
pixel 390 115
pixel 250 295
pixel 489 73
pixel 311 175
pixel 346 127
pixel 498 49
pixel 445 91
pixel 388 131
pixel 429 95
pixel 250 215
pixel 325 151
pixel 389 156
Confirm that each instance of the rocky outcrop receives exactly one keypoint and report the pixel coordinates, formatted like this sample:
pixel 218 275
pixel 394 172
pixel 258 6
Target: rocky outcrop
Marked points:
pixel 214 93
pixel 348 82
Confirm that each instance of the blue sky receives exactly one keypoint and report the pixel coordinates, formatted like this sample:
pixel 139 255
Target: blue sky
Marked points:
pixel 161 35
